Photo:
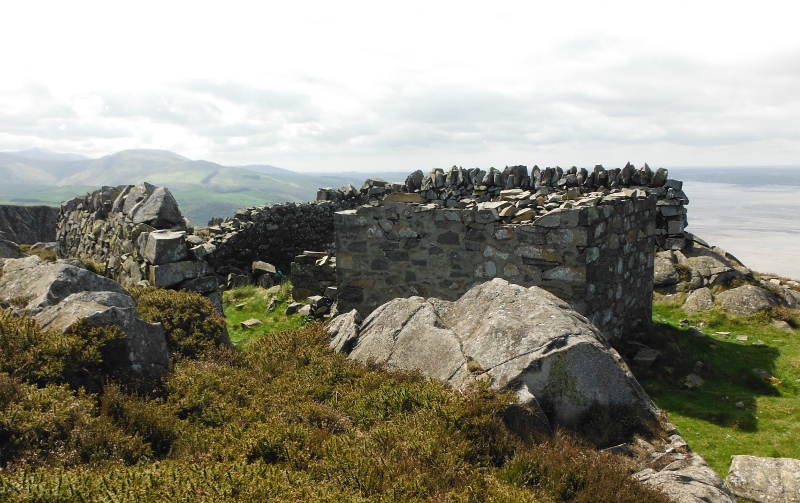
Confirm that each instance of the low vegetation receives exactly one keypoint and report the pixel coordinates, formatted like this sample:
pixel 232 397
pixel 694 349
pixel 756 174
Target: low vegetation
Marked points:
pixel 750 400
pixel 242 304
pixel 285 419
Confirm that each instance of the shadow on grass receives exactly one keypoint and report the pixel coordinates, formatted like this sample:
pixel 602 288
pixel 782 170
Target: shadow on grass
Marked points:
pixel 726 365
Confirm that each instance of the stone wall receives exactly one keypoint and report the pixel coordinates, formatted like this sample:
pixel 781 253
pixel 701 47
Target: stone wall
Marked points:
pixel 458 187
pixel 277 233
pixel 27 225
pixel 138 234
pixel 596 252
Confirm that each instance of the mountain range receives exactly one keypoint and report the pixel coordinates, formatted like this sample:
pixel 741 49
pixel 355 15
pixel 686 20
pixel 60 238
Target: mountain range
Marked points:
pixel 203 189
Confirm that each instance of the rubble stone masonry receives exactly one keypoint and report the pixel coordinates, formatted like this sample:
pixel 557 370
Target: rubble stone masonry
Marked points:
pixel 597 254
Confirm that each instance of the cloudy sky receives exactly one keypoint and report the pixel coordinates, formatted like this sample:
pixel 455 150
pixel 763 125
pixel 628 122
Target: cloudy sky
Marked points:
pixel 314 86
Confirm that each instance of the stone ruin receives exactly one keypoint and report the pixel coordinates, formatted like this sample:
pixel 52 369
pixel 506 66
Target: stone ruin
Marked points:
pixel 587 236
pixel 138 235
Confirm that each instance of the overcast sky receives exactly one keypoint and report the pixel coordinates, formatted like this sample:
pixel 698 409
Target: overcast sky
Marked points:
pixel 314 86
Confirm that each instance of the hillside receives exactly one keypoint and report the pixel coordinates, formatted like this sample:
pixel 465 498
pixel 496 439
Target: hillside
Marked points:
pixel 203 189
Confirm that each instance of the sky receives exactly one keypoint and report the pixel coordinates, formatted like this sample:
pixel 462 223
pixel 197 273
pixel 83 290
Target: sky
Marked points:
pixel 336 86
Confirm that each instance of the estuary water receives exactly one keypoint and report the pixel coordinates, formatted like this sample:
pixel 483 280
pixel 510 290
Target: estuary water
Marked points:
pixel 758 224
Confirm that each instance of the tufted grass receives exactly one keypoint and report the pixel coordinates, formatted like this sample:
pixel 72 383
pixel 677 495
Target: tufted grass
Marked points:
pixel 251 301
pixel 708 417
pixel 286 419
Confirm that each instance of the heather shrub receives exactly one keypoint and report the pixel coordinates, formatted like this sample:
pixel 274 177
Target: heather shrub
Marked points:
pixel 192 326
pixel 57 426
pixel 85 357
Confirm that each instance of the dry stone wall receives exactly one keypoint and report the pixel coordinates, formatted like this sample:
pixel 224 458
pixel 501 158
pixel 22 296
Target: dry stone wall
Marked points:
pixel 138 234
pixel 277 233
pixel 549 187
pixel 597 253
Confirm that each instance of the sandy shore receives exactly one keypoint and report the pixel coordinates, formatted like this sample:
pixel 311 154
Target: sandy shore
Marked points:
pixel 760 225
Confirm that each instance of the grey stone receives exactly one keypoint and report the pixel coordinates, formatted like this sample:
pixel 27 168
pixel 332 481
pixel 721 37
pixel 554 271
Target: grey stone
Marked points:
pixel 646 357
pixel 692 381
pixel 145 342
pixel 690 480
pixel 343 331
pixel 46 284
pixel 699 300
pixel 165 247
pixel 10 249
pixel 765 480
pixel 159 209
pixel 665 272
pixel 746 300
pixel 523 339
pixel 293 308
pixel 26 225
pixel 167 275
pixel 251 323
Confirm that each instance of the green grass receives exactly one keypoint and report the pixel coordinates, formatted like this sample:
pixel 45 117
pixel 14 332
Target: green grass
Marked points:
pixel 708 417
pixel 248 302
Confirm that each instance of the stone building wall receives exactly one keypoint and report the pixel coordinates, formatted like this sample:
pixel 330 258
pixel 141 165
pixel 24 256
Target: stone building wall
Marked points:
pixel 597 253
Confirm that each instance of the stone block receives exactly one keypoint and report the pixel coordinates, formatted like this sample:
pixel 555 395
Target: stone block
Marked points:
pixel 165 247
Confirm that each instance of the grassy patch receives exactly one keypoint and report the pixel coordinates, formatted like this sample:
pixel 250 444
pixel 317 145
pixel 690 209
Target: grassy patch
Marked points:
pixel 250 302
pixel 735 372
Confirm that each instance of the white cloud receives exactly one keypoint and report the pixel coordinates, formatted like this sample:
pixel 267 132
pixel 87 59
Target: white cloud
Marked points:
pixel 318 85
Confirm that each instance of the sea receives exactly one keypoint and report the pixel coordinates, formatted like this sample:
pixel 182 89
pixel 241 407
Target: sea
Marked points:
pixel 758 224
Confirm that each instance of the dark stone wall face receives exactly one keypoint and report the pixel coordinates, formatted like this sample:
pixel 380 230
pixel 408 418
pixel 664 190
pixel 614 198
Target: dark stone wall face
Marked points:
pixel 27 225
pixel 276 234
pixel 599 257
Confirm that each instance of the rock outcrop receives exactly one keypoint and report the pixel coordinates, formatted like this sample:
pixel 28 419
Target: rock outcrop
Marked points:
pixel 765 480
pixel 696 267
pixel 520 339
pixel 27 225
pixel 57 295
pixel 746 300
pixel 9 249
pixel 689 480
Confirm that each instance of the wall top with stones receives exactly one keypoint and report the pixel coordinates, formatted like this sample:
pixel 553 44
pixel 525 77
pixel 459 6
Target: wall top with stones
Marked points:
pixel 515 195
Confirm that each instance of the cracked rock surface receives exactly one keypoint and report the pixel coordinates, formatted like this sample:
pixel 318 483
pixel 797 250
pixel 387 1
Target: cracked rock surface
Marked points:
pixel 521 339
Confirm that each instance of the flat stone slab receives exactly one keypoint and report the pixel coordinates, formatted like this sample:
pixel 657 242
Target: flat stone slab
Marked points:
pixel 251 323
pixel 765 480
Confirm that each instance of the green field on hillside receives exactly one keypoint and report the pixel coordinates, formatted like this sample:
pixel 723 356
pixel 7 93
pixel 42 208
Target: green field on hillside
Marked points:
pixel 761 374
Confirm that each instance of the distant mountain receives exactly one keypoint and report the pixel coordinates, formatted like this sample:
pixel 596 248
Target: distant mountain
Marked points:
pixel 127 166
pixel 42 154
pixel 203 189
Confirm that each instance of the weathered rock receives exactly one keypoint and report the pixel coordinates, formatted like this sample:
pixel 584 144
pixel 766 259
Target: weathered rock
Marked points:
pixel 688 481
pixel 9 249
pixel 665 272
pixel 145 343
pixel 765 480
pixel 251 323
pixel 523 339
pixel 293 308
pixel 159 209
pixel 59 294
pixel 167 275
pixel 746 300
pixel 165 247
pixel 692 381
pixel 46 284
pixel 646 357
pixel 27 225
pixel 698 300
pixel 343 331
